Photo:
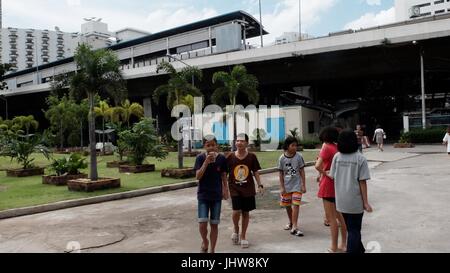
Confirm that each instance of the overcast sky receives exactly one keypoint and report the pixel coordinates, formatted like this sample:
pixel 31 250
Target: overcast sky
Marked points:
pixel 319 17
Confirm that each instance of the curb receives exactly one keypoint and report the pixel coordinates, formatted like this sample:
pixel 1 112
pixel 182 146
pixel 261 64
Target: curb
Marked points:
pixel 12 213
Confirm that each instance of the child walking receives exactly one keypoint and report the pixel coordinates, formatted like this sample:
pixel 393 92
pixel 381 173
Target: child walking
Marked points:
pixel 447 140
pixel 292 183
pixel 211 171
pixel 350 172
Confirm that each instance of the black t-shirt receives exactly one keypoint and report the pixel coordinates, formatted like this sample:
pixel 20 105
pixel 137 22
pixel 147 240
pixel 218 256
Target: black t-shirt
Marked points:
pixel 210 186
pixel 240 181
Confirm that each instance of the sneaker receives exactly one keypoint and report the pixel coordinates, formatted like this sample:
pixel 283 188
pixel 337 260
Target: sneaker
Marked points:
pixel 297 232
pixel 235 239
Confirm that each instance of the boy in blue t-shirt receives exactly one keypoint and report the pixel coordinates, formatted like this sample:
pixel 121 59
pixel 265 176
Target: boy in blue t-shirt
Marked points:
pixel 211 171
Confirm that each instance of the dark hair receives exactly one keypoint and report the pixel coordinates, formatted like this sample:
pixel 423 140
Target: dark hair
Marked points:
pixel 378 126
pixel 244 136
pixel 329 135
pixel 209 138
pixel 289 140
pixel 338 125
pixel 347 142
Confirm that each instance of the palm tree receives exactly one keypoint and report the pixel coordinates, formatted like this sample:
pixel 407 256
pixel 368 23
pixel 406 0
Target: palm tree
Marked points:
pixel 26 122
pixel 104 111
pixel 127 109
pixel 232 84
pixel 177 87
pixel 98 71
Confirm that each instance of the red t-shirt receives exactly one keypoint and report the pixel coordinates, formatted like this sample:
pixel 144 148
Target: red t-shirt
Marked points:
pixel 326 188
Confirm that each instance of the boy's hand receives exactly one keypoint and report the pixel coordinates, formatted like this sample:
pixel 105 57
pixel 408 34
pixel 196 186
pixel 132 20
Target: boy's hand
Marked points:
pixel 329 176
pixel 261 190
pixel 209 159
pixel 303 189
pixel 225 195
pixel 368 208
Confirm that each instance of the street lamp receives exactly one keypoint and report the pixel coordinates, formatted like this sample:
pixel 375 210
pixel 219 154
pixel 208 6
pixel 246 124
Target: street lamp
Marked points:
pixel 261 24
pixel 422 84
pixel 3 97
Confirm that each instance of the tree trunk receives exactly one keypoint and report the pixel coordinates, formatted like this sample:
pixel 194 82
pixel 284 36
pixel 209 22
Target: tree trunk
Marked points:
pixel 61 135
pixel 103 136
pixel 81 134
pixel 180 154
pixel 92 142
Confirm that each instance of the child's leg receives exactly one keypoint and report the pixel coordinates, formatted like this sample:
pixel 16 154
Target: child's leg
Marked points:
pixel 343 228
pixel 289 214
pixel 294 217
pixel 330 212
pixel 215 221
pixel 203 228
pixel 245 222
pixel 213 237
pixel 354 223
pixel 236 218
pixel 203 213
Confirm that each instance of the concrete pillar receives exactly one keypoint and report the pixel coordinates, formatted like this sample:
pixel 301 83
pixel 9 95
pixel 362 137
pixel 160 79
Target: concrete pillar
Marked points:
pixel 148 108
pixel 406 123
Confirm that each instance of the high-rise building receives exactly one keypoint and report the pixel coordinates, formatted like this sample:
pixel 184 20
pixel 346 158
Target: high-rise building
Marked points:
pixel 26 48
pixel 412 9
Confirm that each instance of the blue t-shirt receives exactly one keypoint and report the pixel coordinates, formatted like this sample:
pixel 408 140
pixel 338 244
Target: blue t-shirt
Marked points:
pixel 210 186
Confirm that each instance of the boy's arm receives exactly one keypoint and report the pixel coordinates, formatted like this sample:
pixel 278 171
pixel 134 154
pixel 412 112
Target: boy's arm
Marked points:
pixel 258 181
pixel 200 172
pixel 303 176
pixel 283 189
pixel 363 187
pixel 225 190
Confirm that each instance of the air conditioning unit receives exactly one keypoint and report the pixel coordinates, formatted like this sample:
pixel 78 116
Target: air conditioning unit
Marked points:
pixel 414 12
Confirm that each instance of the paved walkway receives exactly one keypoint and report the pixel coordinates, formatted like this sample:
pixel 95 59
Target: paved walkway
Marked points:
pixel 409 192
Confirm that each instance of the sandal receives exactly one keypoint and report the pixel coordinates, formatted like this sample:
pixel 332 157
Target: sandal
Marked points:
pixel 235 238
pixel 288 227
pixel 245 244
pixel 297 232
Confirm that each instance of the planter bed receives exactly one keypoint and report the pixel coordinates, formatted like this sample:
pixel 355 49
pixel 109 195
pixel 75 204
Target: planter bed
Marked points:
pixel 86 185
pixel 137 168
pixel 403 145
pixel 178 173
pixel 60 180
pixel 115 164
pixel 25 173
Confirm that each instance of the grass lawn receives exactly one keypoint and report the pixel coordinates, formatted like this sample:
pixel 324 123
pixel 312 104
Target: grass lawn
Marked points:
pixel 24 192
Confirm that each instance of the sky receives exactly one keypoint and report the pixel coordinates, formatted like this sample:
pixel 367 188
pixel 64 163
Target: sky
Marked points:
pixel 319 17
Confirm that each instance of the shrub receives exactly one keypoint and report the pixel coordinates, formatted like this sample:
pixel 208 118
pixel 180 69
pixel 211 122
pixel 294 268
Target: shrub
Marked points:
pixel 433 135
pixel 20 148
pixel 310 143
pixel 142 141
pixel 71 166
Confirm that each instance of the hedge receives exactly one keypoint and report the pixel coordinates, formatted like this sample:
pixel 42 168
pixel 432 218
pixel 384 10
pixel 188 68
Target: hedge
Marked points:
pixel 434 135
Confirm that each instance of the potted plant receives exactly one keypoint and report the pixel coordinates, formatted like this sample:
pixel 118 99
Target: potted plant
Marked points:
pixel 404 142
pixel 141 141
pixel 65 170
pixel 20 148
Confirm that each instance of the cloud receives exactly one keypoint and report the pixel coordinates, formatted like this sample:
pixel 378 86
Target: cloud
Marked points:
pixel 371 19
pixel 285 17
pixel 373 2
pixel 73 3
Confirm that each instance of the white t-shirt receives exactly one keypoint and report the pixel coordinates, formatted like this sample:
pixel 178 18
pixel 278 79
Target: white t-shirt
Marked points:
pixel 347 170
pixel 447 139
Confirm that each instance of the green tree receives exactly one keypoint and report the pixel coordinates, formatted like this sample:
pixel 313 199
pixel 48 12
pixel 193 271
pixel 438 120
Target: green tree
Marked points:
pixel 105 112
pixel 20 149
pixel 61 115
pixel 26 122
pixel 127 110
pixel 237 82
pixel 98 71
pixel 178 86
pixel 142 141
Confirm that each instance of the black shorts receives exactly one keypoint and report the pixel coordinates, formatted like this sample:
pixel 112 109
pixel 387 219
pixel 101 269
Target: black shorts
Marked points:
pixel 330 199
pixel 245 204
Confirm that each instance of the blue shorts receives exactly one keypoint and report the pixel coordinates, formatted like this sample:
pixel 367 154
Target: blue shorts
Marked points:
pixel 209 211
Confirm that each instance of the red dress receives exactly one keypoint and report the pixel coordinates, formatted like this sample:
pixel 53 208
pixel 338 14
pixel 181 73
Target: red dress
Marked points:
pixel 326 188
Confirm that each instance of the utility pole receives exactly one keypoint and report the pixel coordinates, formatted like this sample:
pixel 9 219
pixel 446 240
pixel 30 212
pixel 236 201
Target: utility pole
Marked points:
pixel 299 20
pixel 260 24
pixel 422 78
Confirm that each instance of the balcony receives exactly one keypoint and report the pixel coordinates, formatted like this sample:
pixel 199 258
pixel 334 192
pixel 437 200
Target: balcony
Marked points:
pixel 13 35
pixel 45 38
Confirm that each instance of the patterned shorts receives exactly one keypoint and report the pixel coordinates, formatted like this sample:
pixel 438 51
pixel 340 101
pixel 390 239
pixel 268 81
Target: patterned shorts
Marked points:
pixel 291 199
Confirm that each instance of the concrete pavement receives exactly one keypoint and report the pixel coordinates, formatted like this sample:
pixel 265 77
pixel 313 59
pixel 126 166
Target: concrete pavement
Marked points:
pixel 409 192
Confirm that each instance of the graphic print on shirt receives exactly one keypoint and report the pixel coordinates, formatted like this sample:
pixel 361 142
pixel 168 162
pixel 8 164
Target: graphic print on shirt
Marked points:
pixel 241 173
pixel 291 172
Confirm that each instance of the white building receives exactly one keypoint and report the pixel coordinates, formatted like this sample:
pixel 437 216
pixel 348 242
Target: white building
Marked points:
pixel 27 48
pixel 290 37
pixel 411 9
